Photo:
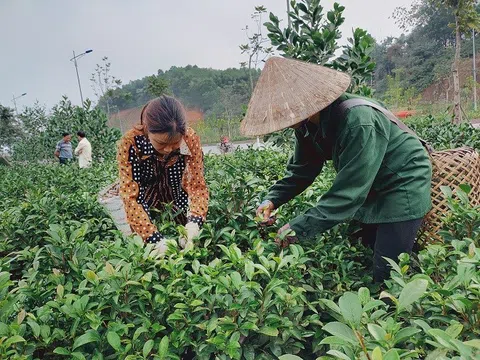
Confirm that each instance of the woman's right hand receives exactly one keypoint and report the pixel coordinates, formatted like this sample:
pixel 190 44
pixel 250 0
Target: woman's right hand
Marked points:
pixel 264 211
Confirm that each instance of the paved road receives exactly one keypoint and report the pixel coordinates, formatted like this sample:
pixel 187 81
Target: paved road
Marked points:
pixel 213 149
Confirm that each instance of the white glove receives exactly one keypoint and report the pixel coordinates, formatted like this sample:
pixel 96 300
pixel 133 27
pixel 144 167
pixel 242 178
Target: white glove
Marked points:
pixel 193 230
pixel 160 248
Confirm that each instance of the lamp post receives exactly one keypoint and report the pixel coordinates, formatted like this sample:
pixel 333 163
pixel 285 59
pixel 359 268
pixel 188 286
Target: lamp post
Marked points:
pixel 474 73
pixel 288 16
pixel 14 99
pixel 74 59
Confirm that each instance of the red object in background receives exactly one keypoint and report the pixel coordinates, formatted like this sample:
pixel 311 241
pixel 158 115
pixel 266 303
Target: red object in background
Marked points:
pixel 224 139
pixel 404 113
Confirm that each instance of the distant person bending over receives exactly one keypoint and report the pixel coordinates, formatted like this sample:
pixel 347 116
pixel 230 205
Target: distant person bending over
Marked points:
pixel 63 151
pixel 161 162
pixel 83 151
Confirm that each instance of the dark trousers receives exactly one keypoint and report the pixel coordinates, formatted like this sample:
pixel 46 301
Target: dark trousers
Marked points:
pixel 389 240
pixel 64 161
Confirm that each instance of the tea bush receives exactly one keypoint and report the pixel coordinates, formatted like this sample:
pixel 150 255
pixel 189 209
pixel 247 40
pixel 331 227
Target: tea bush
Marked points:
pixel 72 286
pixel 442 134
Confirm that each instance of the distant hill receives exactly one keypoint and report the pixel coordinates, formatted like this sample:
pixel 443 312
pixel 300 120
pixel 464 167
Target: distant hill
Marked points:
pixel 208 91
pixel 124 120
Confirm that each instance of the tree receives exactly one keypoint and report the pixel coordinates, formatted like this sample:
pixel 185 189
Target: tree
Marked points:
pixel 43 131
pixel 433 19
pixel 255 49
pixel 103 83
pixel 9 127
pixel 157 86
pixel 34 119
pixel 466 19
pixel 314 38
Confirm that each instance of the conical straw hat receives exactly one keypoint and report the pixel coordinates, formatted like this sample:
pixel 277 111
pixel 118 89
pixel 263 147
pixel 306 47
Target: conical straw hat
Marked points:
pixel 288 92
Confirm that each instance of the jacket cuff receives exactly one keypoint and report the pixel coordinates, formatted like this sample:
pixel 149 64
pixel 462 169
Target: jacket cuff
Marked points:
pixel 195 219
pixel 301 228
pixel 277 202
pixel 154 238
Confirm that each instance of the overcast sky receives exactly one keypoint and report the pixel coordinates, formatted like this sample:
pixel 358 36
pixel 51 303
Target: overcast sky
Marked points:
pixel 139 37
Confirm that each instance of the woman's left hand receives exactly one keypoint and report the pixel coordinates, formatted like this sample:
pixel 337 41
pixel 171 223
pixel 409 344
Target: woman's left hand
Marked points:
pixel 193 230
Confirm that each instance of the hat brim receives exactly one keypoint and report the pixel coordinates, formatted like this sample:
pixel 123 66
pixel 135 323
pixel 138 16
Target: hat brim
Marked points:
pixel 288 92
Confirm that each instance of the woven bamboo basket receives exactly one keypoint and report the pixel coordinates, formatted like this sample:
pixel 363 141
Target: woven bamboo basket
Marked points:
pixel 450 168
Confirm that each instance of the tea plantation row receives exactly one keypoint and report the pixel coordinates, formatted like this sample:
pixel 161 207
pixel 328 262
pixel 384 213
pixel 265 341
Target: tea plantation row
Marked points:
pixel 72 287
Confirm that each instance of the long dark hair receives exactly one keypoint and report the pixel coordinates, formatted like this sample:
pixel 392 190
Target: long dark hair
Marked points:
pixel 164 114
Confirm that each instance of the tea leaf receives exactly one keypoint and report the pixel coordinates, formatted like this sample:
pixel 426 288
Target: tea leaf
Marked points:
pixel 338 354
pixel 89 337
pixel 454 330
pixel 289 357
pixel 342 331
pixel 413 291
pixel 391 355
pixel 473 343
pixel 61 351
pixel 13 340
pixel 377 354
pixel 249 269
pixel 77 355
pixel 447 192
pixel 90 275
pixel 406 333
pixel 21 316
pixel 163 348
pixel 114 340
pixel 377 332
pixel 351 308
pixel 147 347
pixel 269 331
pixel 196 266
pixel 60 290
pixel 262 269
pixel 334 340
pixel 109 269
pixel 364 295
pixel 394 265
pixel 35 327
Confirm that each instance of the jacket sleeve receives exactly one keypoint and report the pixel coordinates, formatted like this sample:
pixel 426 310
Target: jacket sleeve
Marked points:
pixel 79 147
pixel 362 150
pixel 194 181
pixel 132 193
pixel 302 169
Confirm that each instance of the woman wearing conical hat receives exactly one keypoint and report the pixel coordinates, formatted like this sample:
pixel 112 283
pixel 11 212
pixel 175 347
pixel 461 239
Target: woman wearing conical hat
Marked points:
pixel 383 171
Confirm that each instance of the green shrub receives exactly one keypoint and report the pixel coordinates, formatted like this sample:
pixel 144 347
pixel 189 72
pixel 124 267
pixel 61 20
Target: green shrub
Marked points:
pixel 71 286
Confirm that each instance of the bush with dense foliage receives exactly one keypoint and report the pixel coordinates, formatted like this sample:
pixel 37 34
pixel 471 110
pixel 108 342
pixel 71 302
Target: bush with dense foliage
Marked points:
pixel 442 134
pixel 71 286
pixel 42 131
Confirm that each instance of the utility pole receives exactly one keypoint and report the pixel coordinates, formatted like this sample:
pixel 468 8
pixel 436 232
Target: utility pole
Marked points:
pixel 14 99
pixel 74 59
pixel 288 16
pixel 474 73
pixel 78 77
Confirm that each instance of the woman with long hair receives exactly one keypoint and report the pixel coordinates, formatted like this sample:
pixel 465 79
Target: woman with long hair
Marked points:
pixel 161 162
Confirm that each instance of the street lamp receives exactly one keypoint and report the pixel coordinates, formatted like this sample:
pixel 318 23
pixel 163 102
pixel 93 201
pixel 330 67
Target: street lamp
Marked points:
pixel 74 59
pixel 15 102
pixel 474 73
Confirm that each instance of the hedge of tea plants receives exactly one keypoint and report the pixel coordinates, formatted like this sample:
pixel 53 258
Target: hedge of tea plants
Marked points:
pixel 73 287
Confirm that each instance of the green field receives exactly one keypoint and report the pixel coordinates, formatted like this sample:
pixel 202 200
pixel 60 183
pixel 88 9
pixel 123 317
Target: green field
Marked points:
pixel 73 287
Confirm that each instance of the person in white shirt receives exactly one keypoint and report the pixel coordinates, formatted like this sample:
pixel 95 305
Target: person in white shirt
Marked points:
pixel 83 151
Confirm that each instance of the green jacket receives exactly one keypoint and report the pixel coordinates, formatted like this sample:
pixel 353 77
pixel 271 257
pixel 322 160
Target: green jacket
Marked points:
pixel 383 173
